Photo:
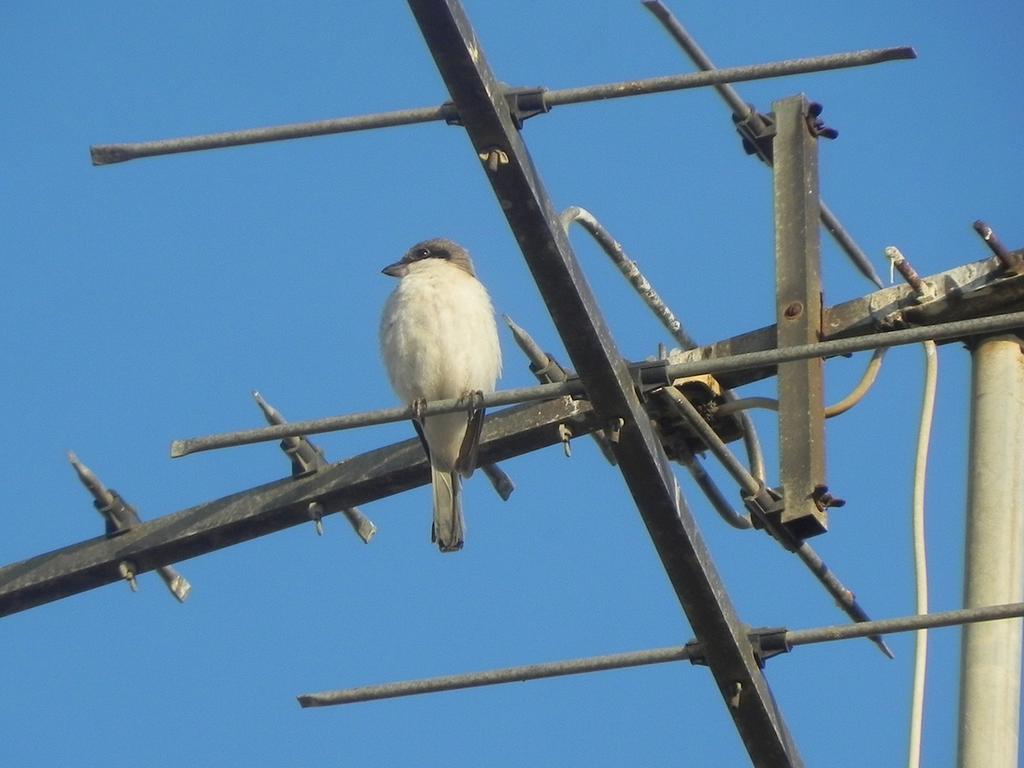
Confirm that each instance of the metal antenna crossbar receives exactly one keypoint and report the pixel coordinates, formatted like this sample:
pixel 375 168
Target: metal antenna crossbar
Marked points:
pixel 272 507
pixel 107 154
pixel 644 373
pixel 783 641
pixel 171 538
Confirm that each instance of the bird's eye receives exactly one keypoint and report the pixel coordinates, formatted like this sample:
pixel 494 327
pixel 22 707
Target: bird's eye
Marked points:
pixel 422 253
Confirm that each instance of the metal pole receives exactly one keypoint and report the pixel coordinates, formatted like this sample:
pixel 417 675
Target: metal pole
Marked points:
pixel 990 667
pixel 798 317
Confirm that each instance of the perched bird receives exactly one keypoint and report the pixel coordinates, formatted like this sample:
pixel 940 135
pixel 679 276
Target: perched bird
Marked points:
pixel 439 341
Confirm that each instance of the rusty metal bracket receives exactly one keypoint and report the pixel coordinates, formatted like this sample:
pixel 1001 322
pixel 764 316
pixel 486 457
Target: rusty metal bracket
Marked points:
pixel 798 314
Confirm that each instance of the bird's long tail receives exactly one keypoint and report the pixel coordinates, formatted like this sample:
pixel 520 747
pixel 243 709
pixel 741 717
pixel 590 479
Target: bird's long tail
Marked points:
pixel 449 530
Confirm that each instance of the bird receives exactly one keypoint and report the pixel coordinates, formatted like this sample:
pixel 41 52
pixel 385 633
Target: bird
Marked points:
pixel 438 341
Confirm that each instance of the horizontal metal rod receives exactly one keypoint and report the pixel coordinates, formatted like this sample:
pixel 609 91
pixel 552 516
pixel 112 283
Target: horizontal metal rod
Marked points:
pixel 493 677
pixel 654 656
pixel 905 624
pixel 648 373
pixel 728 75
pixel 181 448
pixel 107 154
pixel 883 339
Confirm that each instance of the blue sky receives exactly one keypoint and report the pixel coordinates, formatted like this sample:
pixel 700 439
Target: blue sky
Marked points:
pixel 142 302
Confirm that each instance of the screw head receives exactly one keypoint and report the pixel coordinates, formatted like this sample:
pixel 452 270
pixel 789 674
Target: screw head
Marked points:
pixel 793 310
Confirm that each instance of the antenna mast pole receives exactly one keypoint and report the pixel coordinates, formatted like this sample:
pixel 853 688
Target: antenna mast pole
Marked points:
pixel 990 666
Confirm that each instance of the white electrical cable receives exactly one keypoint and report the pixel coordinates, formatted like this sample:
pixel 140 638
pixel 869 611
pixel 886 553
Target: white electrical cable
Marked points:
pixel 920 561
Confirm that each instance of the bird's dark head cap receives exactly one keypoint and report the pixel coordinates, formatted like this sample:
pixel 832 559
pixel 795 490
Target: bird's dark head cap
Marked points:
pixel 435 248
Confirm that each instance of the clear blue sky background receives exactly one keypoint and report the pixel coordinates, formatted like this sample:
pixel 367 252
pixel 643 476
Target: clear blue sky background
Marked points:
pixel 142 302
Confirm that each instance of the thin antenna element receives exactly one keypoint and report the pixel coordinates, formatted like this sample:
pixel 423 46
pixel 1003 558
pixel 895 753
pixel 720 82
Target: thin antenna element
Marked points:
pixel 307 458
pixel 646 372
pixel 760 502
pixel 789 638
pixel 107 154
pixel 120 516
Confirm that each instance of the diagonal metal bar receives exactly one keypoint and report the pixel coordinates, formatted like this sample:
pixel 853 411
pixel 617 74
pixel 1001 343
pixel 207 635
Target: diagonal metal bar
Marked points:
pixel 742 111
pixel 270 508
pixel 759 501
pixel 484 112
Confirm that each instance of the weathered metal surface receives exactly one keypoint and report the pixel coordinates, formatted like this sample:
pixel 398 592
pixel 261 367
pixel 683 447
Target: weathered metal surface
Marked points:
pixel 798 317
pixel 974 290
pixel 272 507
pixel 484 112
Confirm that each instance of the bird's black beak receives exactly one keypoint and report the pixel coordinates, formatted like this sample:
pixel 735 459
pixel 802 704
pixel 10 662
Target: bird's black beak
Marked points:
pixel 398 269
